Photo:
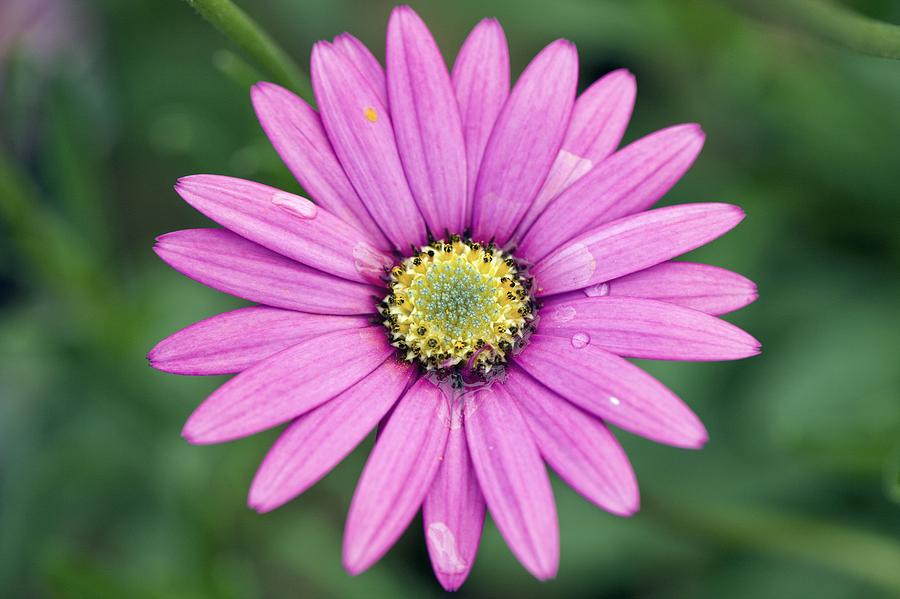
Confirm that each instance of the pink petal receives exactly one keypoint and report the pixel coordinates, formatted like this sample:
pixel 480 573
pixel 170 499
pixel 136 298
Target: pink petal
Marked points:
pixel 227 262
pixel 513 480
pixel 285 223
pixel 453 512
pixel 236 340
pixel 362 58
pixel 297 135
pixel 612 388
pixel 287 385
pixel 631 244
pixel 481 80
pixel 577 446
pixel 630 181
pixel 397 476
pixel 524 143
pixel 359 127
pixel 702 287
pixel 645 328
pixel 317 441
pixel 598 123
pixel 426 122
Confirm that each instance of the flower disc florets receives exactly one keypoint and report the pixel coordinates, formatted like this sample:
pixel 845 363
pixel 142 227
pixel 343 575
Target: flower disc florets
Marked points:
pixel 458 303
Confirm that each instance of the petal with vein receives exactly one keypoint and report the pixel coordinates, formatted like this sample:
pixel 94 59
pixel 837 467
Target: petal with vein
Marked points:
pixel 513 479
pixel 359 55
pixel 524 143
pixel 577 445
pixel 285 223
pixel 287 385
pixel 632 243
pixel 613 389
pixel 396 477
pixel 234 341
pixel 646 328
pixel 317 441
pixel 229 263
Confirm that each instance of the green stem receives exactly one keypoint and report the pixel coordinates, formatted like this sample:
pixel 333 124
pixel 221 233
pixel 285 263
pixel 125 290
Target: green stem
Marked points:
pixel 832 22
pixel 252 39
pixel 864 555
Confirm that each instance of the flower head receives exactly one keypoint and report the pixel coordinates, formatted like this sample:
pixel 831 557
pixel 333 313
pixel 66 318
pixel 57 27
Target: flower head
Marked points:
pixel 476 267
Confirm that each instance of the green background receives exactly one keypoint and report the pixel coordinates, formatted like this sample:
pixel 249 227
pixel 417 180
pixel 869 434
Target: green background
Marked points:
pixel 796 494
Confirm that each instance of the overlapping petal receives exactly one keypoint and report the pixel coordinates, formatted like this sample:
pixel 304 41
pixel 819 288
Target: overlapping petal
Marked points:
pixel 611 388
pixel 287 385
pixel 227 262
pixel 297 135
pixel 577 446
pixel 513 480
pixel 364 61
pixel 524 143
pixel 285 223
pixel 233 341
pixel 426 122
pixel 629 181
pixel 397 476
pixel 481 81
pixel 453 512
pixel 317 441
pixel 631 244
pixel 598 123
pixel 646 328
pixel 359 128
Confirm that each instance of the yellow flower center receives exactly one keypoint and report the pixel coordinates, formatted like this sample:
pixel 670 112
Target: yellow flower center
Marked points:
pixel 457 303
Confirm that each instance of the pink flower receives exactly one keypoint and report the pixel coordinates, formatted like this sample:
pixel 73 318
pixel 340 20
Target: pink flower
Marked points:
pixel 477 266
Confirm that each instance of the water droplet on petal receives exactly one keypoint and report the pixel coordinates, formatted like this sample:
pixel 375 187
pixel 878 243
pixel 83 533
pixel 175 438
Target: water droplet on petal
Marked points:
pixel 580 340
pixel 614 400
pixel 295 205
pixel 443 544
pixel 564 314
pixel 369 262
pixel 600 290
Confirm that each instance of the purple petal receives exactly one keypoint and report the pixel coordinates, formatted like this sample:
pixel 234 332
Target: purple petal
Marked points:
pixel 397 476
pixel 317 441
pixel 426 122
pixel 702 287
pixel 481 81
pixel 577 446
pixel 362 58
pixel 359 127
pixel 297 135
pixel 513 480
pixel 287 224
pixel 630 181
pixel 287 385
pixel 599 119
pixel 453 512
pixel 646 328
pixel 227 262
pixel 631 244
pixel 612 388
pixel 236 340
pixel 524 143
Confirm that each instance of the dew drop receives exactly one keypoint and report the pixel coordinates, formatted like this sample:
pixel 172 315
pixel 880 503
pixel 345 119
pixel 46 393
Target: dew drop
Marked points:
pixel 295 205
pixel 580 340
pixel 600 290
pixel 614 400
pixel 564 314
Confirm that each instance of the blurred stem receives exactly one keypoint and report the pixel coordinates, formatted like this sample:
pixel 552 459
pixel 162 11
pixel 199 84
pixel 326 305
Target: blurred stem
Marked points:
pixel 236 68
pixel 250 37
pixel 833 22
pixel 864 555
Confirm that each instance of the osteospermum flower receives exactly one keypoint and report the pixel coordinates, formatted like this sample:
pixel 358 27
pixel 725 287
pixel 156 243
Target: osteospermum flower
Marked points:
pixel 476 267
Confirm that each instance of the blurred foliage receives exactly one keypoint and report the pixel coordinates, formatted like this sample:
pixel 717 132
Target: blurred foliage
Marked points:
pixel 797 493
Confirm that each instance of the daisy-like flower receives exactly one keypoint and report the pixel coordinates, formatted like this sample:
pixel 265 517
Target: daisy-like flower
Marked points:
pixel 476 268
